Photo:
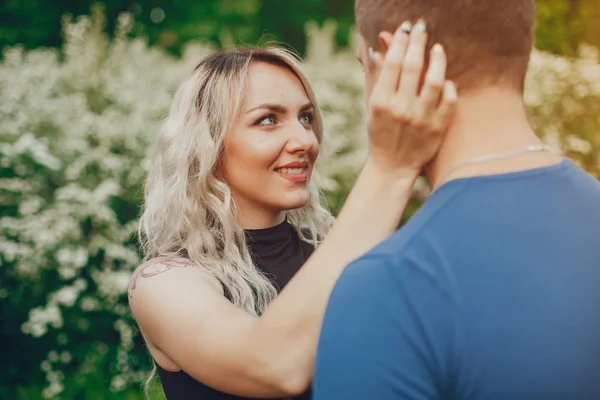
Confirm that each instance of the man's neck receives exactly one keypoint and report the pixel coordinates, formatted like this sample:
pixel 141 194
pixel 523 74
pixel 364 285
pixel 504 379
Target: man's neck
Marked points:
pixel 485 123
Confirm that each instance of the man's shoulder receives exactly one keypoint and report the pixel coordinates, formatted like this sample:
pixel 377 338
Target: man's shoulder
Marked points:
pixel 422 228
pixel 415 251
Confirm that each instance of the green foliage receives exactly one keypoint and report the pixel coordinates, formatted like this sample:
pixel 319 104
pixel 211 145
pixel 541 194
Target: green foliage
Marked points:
pixel 173 23
pixel 562 24
pixel 74 128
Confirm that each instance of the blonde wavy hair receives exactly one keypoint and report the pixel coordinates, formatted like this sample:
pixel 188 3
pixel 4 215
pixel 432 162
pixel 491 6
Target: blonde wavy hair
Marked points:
pixel 188 209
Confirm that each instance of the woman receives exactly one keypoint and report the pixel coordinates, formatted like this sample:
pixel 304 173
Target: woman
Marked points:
pixel 231 215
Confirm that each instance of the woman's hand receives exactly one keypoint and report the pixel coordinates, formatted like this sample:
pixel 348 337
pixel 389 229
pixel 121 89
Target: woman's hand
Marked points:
pixel 406 128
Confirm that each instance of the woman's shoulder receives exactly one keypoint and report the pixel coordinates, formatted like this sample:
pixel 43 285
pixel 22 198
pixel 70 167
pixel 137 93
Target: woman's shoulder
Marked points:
pixel 160 270
pixel 166 288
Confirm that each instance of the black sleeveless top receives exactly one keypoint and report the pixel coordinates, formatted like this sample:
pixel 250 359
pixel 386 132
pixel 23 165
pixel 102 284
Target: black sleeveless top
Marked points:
pixel 279 253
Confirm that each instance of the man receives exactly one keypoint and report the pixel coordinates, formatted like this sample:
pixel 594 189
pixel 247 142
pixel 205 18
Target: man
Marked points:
pixel 491 290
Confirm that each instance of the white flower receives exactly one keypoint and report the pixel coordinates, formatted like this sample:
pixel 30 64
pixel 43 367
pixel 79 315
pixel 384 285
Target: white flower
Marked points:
pixel 66 357
pixel 89 304
pixel 66 296
pixel 117 383
pixel 73 257
pixel 112 283
pixel 40 318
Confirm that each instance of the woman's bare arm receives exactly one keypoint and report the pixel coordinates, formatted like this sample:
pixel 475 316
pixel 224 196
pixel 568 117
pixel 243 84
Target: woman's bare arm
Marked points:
pixel 186 319
pixel 183 313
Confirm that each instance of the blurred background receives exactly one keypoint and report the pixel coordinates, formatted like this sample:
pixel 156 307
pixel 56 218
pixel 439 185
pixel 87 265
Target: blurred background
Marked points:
pixel 83 86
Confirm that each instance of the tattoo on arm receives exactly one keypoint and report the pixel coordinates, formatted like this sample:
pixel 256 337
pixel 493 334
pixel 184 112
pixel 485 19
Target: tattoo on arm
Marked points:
pixel 153 268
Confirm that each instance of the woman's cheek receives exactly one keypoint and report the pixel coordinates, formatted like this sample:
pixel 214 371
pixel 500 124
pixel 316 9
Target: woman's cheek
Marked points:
pixel 266 149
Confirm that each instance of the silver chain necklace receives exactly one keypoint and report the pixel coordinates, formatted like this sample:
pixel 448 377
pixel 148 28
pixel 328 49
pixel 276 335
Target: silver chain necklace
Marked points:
pixel 496 156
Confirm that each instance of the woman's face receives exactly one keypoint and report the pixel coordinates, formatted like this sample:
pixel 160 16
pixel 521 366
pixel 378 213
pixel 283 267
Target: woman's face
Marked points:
pixel 270 152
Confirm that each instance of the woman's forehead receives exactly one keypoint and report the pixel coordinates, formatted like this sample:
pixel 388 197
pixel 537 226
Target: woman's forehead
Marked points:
pixel 274 84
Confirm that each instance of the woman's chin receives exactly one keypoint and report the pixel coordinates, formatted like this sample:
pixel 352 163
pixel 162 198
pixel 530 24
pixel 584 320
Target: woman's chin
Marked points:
pixel 293 201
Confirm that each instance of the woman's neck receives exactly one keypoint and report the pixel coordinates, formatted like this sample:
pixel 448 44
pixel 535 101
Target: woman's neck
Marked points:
pixel 259 219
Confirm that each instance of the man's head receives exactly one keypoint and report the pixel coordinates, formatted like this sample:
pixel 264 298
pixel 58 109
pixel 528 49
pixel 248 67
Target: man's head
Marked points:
pixel 487 42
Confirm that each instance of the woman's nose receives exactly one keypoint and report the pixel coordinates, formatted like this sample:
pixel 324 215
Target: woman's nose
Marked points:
pixel 302 139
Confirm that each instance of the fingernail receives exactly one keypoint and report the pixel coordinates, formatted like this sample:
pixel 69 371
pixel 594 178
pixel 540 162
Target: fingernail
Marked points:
pixel 437 48
pixel 450 90
pixel 371 54
pixel 420 27
pixel 406 27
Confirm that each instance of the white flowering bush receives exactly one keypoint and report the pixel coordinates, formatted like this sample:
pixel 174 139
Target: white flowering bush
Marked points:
pixel 74 128
pixel 563 96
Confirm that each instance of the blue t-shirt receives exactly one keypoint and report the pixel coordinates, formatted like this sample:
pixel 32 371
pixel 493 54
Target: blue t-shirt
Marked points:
pixel 491 291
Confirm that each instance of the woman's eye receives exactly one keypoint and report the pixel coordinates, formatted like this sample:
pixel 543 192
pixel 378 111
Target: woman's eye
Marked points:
pixel 266 121
pixel 307 118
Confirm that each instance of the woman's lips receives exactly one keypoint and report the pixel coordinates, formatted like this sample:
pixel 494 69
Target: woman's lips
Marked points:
pixel 299 174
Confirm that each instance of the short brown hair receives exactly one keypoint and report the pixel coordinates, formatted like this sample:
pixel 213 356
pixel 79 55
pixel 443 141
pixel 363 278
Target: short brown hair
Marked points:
pixel 486 41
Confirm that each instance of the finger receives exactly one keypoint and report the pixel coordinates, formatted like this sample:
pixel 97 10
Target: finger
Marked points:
pixel 392 64
pixel 376 60
pixel 413 66
pixel 444 113
pixel 434 84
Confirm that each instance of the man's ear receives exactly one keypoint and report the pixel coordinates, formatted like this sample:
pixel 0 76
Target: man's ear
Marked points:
pixel 385 38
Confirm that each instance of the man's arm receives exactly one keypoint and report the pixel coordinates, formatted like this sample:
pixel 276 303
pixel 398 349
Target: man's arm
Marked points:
pixel 389 333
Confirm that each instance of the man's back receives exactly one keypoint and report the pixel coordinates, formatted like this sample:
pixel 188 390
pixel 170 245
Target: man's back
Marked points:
pixel 491 291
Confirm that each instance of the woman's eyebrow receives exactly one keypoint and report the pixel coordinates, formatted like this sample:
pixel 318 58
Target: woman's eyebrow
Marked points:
pixel 273 107
pixel 307 106
pixel 279 108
